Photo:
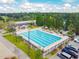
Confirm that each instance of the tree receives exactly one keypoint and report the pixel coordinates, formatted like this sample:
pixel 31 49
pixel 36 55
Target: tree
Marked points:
pixel 71 30
pixel 71 27
pixel 39 21
pixel 38 54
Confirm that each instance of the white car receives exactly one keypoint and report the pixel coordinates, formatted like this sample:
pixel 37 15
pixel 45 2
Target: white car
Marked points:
pixel 76 39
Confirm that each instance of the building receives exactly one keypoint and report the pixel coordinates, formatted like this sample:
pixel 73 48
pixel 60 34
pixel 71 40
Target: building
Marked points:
pixel 24 24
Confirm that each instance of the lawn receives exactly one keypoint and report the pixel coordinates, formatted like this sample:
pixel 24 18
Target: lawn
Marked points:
pixel 18 41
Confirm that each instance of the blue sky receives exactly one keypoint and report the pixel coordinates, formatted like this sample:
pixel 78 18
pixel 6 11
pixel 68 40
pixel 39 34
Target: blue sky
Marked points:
pixel 47 1
pixel 11 6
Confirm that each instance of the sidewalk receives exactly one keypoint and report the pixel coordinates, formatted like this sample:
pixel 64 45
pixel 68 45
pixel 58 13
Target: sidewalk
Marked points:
pixel 13 48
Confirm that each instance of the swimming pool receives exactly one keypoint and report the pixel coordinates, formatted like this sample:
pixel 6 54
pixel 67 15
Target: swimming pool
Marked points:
pixel 41 38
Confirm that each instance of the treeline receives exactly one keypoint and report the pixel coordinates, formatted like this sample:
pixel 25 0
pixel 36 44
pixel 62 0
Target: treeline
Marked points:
pixel 58 21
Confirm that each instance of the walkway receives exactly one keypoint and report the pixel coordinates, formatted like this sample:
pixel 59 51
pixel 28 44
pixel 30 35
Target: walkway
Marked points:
pixel 5 52
pixel 13 48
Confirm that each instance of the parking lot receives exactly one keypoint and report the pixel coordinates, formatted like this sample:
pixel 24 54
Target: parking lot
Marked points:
pixel 72 43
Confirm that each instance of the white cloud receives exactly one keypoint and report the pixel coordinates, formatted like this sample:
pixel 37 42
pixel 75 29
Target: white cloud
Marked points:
pixel 8 9
pixel 67 6
pixel 43 7
pixel 7 1
pixel 37 7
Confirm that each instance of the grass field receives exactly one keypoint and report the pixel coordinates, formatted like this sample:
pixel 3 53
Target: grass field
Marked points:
pixel 16 40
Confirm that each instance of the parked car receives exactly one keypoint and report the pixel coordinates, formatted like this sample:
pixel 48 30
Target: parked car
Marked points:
pixel 61 56
pixel 70 52
pixel 76 39
pixel 71 48
pixel 68 56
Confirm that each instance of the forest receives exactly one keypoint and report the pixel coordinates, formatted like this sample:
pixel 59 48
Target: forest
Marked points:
pixel 56 21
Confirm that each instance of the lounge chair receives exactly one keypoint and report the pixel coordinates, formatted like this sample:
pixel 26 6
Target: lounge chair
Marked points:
pixel 70 52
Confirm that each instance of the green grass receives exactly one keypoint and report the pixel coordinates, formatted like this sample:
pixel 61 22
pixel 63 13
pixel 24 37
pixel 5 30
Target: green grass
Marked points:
pixel 16 40
pixel 20 43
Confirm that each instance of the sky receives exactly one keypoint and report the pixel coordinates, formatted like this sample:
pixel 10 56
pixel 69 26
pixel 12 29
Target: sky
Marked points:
pixel 15 6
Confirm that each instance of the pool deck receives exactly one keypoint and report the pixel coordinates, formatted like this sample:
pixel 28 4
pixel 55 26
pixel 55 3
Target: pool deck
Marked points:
pixel 48 47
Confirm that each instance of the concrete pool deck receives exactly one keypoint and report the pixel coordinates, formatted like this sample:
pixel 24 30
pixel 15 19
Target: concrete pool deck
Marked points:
pixel 51 46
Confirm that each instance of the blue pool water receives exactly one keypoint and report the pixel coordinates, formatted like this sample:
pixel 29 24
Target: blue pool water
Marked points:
pixel 41 38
